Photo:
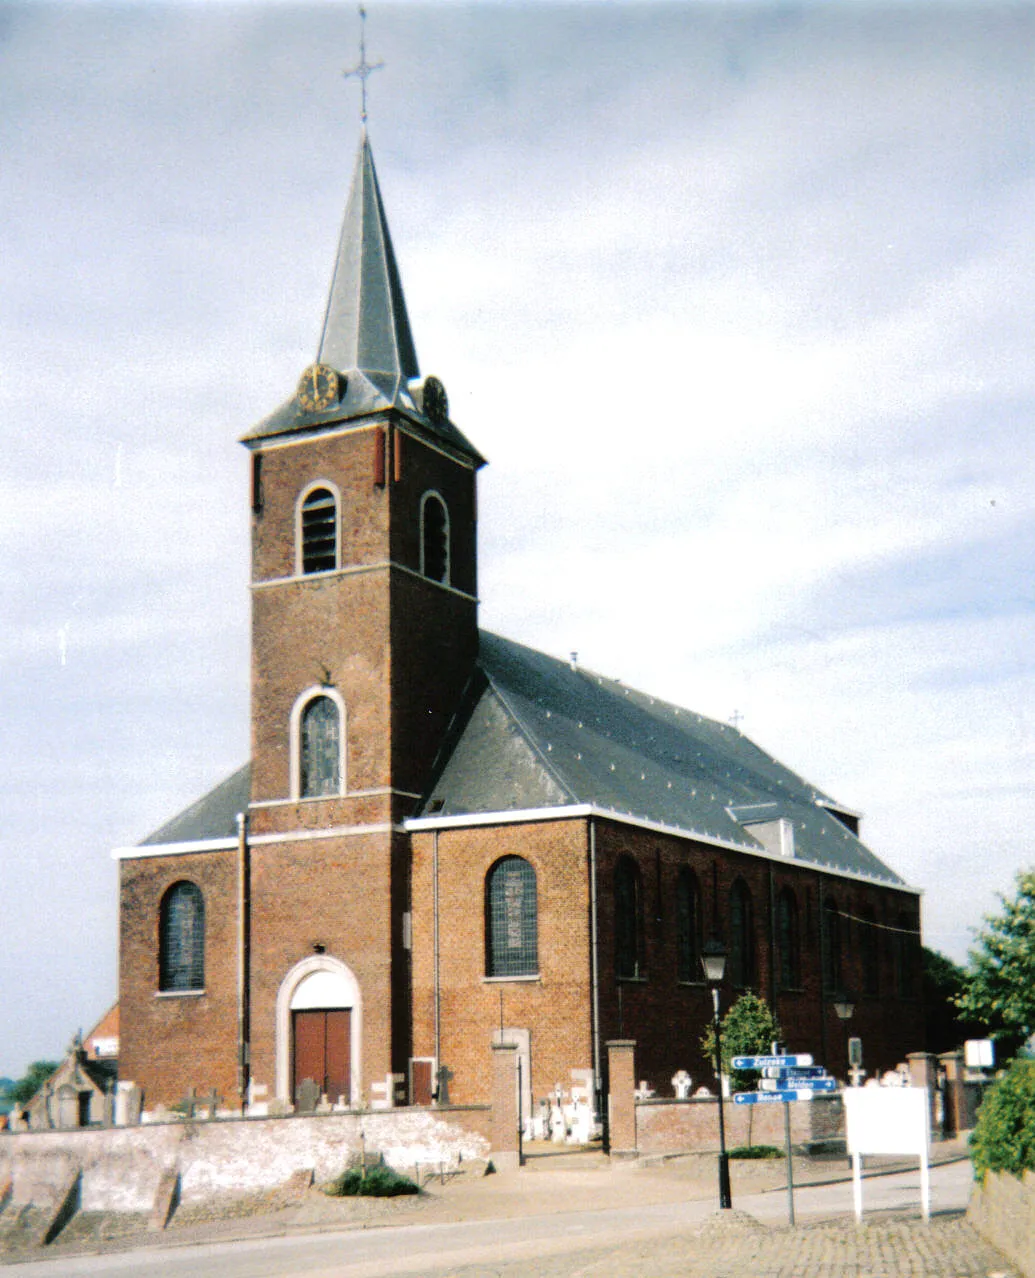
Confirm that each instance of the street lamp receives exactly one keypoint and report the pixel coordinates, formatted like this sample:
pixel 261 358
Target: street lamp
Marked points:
pixel 844 1006
pixel 713 960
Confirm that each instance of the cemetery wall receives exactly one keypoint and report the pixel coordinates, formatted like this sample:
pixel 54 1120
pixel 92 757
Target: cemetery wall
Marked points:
pixel 672 1127
pixel 121 1167
pixel 1002 1210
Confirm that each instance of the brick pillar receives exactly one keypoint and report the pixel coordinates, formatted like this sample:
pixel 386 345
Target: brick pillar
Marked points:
pixel 621 1103
pixel 505 1153
pixel 955 1096
pixel 923 1072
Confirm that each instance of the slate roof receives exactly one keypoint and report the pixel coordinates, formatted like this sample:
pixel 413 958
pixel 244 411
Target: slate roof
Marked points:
pixel 536 735
pixel 213 816
pixel 542 735
pixel 366 333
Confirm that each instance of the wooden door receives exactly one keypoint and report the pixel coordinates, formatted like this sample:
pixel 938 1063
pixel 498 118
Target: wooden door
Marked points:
pixel 420 1080
pixel 322 1046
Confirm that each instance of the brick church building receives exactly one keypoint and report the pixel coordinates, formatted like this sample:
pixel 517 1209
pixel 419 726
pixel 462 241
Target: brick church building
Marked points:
pixel 443 836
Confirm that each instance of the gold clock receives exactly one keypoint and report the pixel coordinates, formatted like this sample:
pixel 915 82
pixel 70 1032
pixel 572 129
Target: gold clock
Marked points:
pixel 319 388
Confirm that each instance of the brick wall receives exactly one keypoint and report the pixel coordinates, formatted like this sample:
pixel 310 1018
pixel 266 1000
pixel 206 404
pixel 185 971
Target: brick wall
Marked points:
pixel 671 1127
pixel 554 1007
pixel 121 1167
pixel 170 1042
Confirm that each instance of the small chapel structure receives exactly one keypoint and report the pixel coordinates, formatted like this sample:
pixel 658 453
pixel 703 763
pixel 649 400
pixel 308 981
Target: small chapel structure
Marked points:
pixel 444 839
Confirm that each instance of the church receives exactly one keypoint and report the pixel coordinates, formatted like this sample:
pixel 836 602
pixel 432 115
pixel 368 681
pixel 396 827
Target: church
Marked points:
pixel 444 839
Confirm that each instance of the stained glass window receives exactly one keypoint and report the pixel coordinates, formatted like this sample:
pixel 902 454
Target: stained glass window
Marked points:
pixel 320 752
pixel 688 928
pixel 181 957
pixel 788 942
pixel 512 926
pixel 319 531
pixel 628 919
pixel 742 936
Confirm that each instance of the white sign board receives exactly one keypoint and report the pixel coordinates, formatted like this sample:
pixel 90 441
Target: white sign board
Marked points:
pixel 979 1053
pixel 888 1120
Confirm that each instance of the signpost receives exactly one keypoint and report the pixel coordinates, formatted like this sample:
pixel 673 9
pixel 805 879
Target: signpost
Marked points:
pixel 785 1079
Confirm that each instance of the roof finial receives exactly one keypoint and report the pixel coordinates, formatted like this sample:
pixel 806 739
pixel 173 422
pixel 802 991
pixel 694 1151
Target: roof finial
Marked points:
pixel 363 69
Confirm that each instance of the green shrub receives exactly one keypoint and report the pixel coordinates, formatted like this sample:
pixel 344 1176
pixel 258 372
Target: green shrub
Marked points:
pixel 756 1151
pixel 379 1182
pixel 1004 1137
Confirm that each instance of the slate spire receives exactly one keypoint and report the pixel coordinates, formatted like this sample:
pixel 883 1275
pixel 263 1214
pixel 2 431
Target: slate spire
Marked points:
pixel 366 328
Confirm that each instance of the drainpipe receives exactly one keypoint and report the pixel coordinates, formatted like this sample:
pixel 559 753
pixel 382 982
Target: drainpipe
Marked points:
pixel 243 962
pixel 594 965
pixel 435 949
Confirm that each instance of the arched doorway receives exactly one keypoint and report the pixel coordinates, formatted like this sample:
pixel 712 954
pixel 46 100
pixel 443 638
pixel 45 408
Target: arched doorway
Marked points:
pixel 319 1023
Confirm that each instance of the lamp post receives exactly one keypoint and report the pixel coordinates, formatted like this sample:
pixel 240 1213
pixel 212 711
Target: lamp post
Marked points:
pixel 713 960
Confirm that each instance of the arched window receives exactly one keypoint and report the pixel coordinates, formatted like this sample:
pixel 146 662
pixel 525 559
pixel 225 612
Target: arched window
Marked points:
pixel 906 945
pixel 688 927
pixel 319 748
pixel 319 531
pixel 628 919
pixel 742 936
pixel 868 952
pixel 832 967
pixel 181 939
pixel 788 940
pixel 434 538
pixel 511 919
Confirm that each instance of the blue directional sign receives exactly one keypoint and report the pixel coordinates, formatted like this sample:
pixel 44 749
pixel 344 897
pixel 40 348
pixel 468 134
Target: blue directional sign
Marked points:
pixel 798 1084
pixel 772 1062
pixel 805 1071
pixel 762 1098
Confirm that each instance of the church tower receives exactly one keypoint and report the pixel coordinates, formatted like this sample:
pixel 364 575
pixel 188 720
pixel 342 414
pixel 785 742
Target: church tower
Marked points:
pixel 364 637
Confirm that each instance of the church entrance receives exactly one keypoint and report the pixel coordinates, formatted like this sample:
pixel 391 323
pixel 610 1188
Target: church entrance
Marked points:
pixel 319 1034
pixel 322 1045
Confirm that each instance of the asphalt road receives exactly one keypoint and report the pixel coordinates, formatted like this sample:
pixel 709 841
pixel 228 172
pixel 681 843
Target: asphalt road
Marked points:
pixel 510 1246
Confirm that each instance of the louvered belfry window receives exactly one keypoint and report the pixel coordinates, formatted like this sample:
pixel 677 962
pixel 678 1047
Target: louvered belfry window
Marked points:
pixel 512 922
pixel 319 531
pixel 181 961
pixel 320 749
pixel 434 539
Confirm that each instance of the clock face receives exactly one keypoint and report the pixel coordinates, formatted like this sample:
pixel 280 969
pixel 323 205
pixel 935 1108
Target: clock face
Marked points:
pixel 319 388
pixel 435 401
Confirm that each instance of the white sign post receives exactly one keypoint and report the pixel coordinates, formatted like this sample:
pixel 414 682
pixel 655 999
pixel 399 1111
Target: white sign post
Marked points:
pixel 888 1120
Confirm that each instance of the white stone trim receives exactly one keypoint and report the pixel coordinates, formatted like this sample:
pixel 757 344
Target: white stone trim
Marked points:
pixel 257 840
pixel 381 566
pixel 282 1026
pixel 295 741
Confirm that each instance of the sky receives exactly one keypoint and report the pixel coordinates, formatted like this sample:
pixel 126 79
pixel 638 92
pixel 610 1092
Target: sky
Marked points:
pixel 736 298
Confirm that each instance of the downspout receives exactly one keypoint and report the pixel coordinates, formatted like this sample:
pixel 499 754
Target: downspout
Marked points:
pixel 435 949
pixel 243 962
pixel 594 967
pixel 822 968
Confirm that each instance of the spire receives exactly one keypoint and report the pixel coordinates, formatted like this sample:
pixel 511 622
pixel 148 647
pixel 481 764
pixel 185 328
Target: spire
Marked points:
pixel 366 328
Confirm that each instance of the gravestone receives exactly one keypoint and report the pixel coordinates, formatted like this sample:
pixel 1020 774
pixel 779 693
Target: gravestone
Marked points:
pixel 442 1076
pixel 307 1096
pixel 681 1084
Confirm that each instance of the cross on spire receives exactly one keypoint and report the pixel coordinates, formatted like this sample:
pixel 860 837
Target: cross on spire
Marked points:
pixel 363 69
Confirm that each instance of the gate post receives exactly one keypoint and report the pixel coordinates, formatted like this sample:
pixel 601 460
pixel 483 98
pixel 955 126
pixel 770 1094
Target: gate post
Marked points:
pixel 505 1154
pixel 621 1101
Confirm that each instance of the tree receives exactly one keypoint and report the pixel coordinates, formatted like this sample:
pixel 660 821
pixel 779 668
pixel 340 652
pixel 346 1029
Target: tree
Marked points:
pixel 24 1089
pixel 749 1028
pixel 947 1027
pixel 1000 982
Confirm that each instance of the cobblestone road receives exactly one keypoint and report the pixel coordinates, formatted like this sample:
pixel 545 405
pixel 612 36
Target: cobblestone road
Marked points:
pixel 738 1247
